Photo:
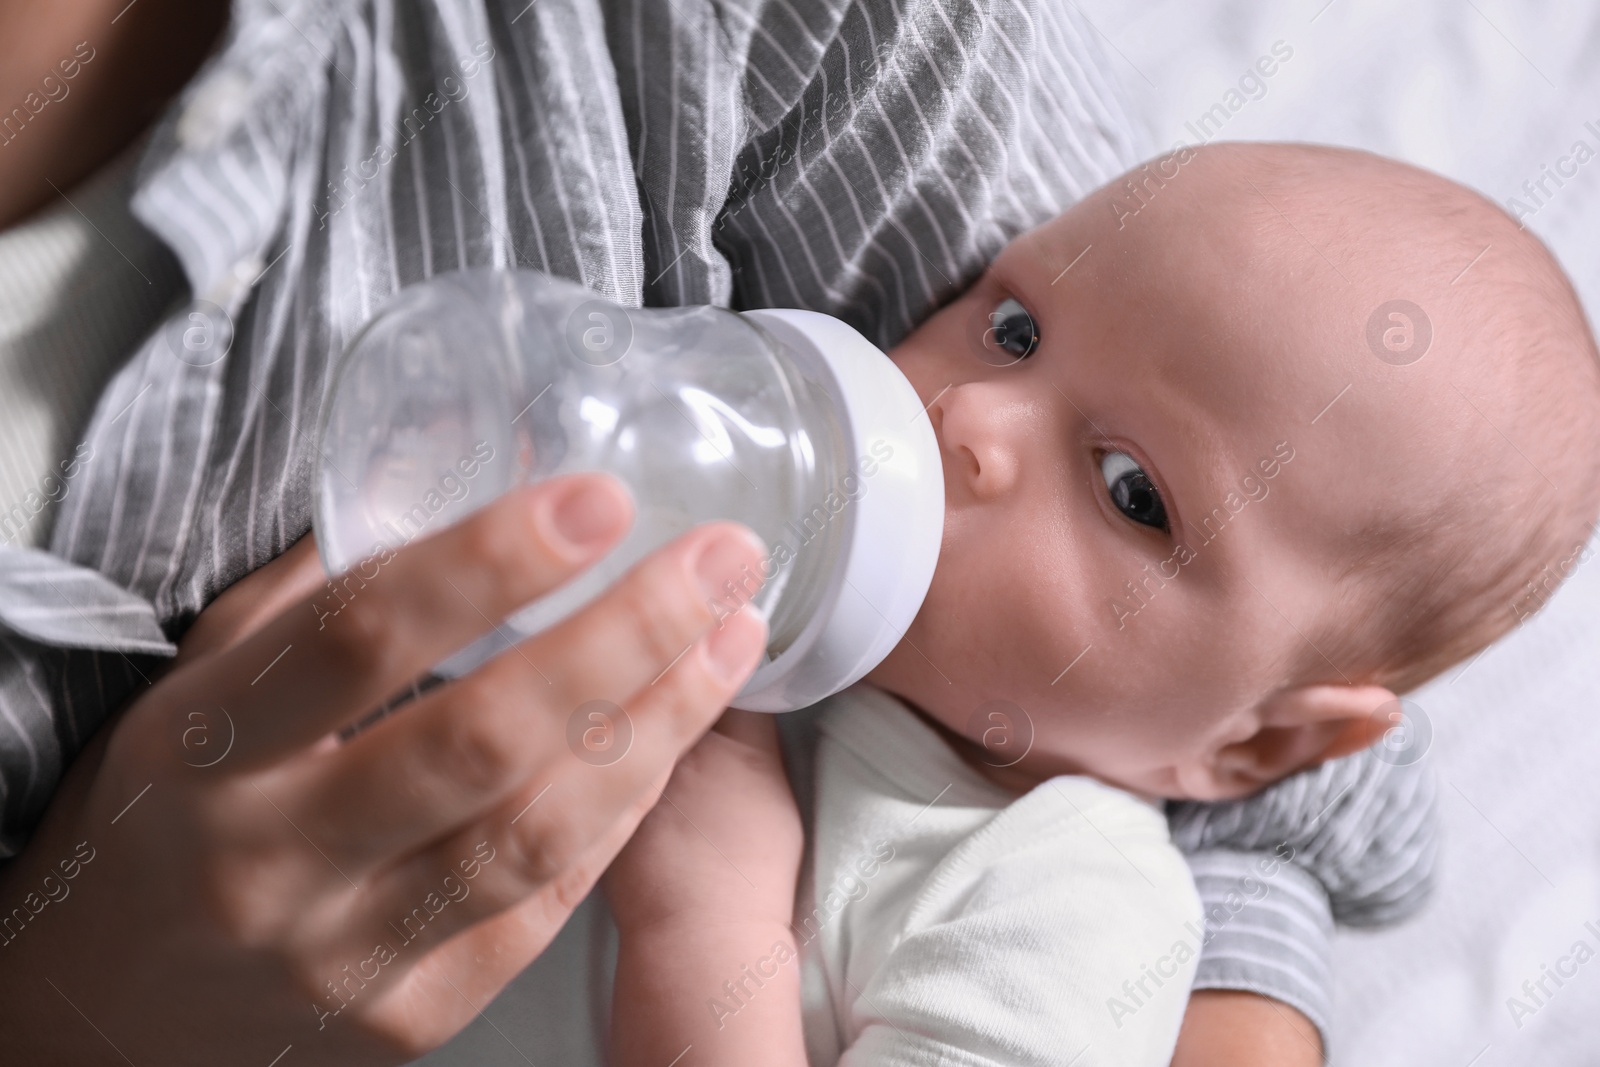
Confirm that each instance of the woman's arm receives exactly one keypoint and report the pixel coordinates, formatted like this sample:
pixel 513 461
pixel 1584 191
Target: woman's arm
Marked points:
pixel 1228 1028
pixel 80 79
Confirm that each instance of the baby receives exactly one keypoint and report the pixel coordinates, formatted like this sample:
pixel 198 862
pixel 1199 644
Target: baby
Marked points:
pixel 1235 450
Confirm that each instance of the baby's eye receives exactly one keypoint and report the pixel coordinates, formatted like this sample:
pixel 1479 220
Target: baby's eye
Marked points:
pixel 1132 492
pixel 1013 329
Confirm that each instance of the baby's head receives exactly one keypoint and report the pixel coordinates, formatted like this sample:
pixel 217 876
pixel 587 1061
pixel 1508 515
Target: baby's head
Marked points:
pixel 1235 450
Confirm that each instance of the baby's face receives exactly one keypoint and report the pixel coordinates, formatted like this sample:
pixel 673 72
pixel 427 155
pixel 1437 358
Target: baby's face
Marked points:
pixel 1146 486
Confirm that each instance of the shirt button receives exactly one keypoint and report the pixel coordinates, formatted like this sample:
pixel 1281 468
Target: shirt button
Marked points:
pixel 216 108
pixel 232 288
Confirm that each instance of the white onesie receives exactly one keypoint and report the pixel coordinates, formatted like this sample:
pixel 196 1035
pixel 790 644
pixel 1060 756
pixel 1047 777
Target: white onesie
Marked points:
pixel 940 920
pixel 944 921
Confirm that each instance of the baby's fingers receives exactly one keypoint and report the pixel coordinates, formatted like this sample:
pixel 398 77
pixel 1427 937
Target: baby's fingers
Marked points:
pixel 753 728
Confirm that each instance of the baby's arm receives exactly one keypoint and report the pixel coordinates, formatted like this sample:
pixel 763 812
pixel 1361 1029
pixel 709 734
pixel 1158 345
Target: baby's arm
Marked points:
pixel 707 971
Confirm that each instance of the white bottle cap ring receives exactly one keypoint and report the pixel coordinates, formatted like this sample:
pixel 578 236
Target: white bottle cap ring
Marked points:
pixel 892 526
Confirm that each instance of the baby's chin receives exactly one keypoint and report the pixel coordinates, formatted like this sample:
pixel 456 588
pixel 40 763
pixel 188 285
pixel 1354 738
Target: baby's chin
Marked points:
pixel 905 672
pixel 1010 745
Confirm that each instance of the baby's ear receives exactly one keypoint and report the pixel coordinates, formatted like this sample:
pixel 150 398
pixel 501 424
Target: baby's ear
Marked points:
pixel 1301 727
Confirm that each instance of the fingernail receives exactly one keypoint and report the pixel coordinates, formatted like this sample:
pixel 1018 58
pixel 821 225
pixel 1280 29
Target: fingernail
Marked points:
pixel 734 648
pixel 587 514
pixel 732 556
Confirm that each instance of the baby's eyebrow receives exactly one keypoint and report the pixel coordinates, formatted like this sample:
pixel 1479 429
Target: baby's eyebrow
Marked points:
pixel 1227 497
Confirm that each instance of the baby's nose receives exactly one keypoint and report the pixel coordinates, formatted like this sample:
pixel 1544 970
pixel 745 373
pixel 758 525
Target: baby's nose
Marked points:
pixel 982 431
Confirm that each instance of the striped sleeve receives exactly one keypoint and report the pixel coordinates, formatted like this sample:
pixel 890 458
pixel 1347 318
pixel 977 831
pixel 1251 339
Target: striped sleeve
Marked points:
pixel 53 602
pixel 1352 841
pixel 52 700
pixel 31 756
pixel 1268 930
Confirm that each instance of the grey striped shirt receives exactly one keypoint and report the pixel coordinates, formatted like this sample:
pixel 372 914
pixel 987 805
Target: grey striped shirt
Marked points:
pixel 864 158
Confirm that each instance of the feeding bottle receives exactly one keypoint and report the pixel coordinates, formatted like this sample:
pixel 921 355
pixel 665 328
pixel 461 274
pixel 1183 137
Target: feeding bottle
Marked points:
pixel 790 422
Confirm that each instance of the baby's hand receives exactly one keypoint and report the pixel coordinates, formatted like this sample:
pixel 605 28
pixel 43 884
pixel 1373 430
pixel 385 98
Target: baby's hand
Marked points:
pixel 724 841
pixel 702 893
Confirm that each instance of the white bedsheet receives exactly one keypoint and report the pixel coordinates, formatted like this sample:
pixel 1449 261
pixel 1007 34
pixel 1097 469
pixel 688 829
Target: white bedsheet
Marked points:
pixel 1487 92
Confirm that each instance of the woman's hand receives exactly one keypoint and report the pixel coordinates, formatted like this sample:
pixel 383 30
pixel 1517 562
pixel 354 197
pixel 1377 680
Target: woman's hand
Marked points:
pixel 1232 1028
pixel 242 882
